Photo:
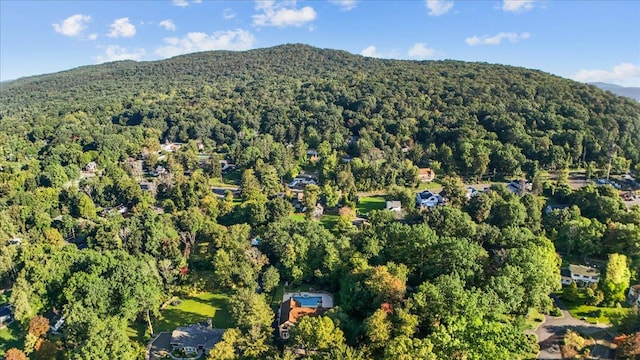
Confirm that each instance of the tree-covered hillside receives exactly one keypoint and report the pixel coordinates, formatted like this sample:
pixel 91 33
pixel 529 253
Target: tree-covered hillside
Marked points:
pixel 471 118
pixel 140 198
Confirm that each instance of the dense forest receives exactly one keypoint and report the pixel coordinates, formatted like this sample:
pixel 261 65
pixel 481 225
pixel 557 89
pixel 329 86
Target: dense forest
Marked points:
pixel 102 225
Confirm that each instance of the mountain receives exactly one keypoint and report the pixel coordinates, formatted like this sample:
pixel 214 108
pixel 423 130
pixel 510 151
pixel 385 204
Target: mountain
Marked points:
pixel 630 92
pixel 470 117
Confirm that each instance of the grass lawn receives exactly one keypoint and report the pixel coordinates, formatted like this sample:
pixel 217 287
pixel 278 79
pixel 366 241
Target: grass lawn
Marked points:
pixel 4 297
pixel 429 186
pixel 593 314
pixel 191 310
pixel 369 203
pixel 276 298
pixel 297 217
pixel 11 337
pixel 329 220
pixel 533 319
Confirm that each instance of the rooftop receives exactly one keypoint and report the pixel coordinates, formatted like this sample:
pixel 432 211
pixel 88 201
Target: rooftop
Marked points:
pixel 582 270
pixel 291 311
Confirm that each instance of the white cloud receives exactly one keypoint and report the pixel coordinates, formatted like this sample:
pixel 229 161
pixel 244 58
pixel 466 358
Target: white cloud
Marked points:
pixel 115 53
pixel 197 41
pixel 517 6
pixel 92 36
pixel 420 51
pixel 228 14
pixel 73 25
pixel 439 7
pixel 282 14
pixel 624 74
pixel 371 51
pixel 167 25
pixel 122 28
pixel 496 39
pixel 185 3
pixel 345 5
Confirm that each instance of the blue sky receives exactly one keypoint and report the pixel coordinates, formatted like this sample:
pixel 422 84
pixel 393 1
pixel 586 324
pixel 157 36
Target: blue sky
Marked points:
pixel 583 40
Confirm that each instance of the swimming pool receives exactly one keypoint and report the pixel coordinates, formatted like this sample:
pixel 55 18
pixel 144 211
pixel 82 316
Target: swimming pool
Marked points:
pixel 309 301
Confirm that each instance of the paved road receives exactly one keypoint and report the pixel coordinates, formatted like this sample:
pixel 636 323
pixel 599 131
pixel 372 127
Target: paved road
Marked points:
pixel 159 346
pixel 551 330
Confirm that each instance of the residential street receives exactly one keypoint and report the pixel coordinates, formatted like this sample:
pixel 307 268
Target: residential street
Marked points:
pixel 551 330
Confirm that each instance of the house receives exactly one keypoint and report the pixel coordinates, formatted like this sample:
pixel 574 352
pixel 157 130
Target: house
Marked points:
pixel 395 206
pixel 91 167
pixel 312 155
pixel 226 165
pixel 318 211
pixel 6 315
pixel 195 338
pixel 565 276
pixel 471 192
pixel 584 275
pixel 56 327
pixel 428 199
pixel 519 187
pixel 297 305
pixel 633 297
pixel 302 181
pixel 158 171
pixel 171 147
pixel 426 174
pixel 15 241
pixel 550 208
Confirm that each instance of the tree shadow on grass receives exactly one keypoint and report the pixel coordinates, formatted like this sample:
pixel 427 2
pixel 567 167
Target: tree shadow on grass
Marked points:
pixel 11 337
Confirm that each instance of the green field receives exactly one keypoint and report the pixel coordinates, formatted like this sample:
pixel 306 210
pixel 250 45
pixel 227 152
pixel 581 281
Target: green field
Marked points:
pixel 11 337
pixel 593 314
pixel 190 310
pixel 370 203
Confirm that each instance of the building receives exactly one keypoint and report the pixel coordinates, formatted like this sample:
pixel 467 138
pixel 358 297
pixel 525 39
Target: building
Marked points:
pixel 226 165
pixel 426 174
pixel 565 276
pixel 312 155
pixel 471 192
pixel 91 167
pixel 428 199
pixel 633 297
pixel 395 206
pixel 302 181
pixel 198 339
pixel 296 306
pixel 584 275
pixel 519 187
pixel 6 315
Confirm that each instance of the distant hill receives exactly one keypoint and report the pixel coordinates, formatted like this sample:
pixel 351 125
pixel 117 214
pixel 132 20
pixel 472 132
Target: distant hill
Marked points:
pixel 473 118
pixel 630 92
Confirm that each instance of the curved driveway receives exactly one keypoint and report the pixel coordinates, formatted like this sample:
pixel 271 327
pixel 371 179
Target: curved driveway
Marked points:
pixel 550 334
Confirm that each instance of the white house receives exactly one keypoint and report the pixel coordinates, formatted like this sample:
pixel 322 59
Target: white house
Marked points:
pixel 91 167
pixel 471 192
pixel 225 165
pixel 633 297
pixel 565 276
pixel 428 199
pixel 302 181
pixel 584 275
pixel 395 206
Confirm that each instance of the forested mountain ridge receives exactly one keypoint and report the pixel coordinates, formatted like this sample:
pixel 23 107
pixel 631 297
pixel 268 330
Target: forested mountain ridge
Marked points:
pixel 297 92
